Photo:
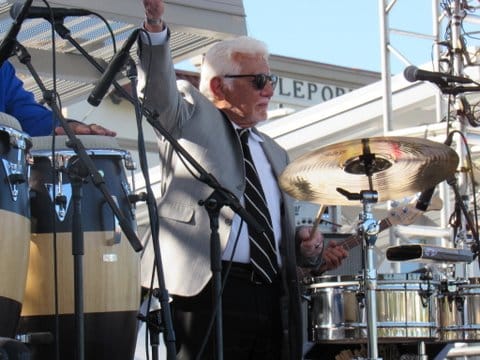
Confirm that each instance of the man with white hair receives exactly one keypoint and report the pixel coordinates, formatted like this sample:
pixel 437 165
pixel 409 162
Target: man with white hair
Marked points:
pixel 216 125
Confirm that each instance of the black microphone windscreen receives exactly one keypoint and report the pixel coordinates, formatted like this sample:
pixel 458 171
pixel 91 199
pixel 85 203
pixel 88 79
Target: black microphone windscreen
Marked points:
pixel 47 13
pixel 410 73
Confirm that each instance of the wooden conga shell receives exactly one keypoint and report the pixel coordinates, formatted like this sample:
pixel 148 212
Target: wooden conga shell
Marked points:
pixel 14 222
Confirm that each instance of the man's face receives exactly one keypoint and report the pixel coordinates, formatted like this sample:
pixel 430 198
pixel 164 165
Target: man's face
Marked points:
pixel 245 104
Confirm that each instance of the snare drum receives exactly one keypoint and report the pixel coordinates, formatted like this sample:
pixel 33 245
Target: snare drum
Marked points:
pixel 14 222
pixel 406 308
pixel 111 267
pixel 458 310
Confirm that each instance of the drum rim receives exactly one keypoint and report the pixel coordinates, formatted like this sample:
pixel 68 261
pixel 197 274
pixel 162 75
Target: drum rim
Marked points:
pixel 91 152
pixel 17 132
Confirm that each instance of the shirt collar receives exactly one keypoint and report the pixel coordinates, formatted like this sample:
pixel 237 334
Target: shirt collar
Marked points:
pixel 253 131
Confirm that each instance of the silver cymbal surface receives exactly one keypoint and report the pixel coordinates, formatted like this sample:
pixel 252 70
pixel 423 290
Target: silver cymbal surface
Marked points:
pixel 398 167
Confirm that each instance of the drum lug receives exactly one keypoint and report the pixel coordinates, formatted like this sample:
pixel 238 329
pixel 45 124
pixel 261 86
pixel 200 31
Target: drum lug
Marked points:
pixel 459 301
pixel 15 177
pixel 129 162
pixel 360 295
pixel 130 196
pixel 306 298
pixel 134 198
pixel 117 231
pixel 15 169
pixel 62 199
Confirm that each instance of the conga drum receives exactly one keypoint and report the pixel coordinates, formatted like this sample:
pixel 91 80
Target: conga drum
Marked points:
pixel 14 222
pixel 110 265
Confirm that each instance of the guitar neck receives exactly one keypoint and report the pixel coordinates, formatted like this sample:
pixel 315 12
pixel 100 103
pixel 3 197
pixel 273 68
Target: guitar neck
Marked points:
pixel 355 240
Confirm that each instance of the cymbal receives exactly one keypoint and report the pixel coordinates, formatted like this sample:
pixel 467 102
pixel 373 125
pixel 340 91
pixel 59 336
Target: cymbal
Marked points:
pixel 399 167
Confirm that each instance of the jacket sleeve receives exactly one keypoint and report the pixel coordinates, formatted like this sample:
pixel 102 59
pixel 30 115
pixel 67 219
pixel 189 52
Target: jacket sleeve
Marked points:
pixel 35 119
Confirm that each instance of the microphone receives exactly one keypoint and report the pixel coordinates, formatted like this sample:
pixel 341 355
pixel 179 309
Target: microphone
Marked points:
pixel 412 74
pixel 424 199
pixel 425 196
pixel 10 40
pixel 47 13
pixel 113 68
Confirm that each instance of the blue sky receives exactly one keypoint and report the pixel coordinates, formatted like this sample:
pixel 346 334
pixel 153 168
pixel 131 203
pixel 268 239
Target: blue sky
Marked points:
pixel 345 33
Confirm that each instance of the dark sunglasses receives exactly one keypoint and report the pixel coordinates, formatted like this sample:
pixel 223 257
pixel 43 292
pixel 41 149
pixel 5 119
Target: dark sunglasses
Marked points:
pixel 259 80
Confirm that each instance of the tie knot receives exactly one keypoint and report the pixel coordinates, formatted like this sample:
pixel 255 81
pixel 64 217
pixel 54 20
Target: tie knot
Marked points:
pixel 243 134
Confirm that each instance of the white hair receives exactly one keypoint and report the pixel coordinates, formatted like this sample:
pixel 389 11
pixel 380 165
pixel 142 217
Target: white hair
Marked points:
pixel 219 59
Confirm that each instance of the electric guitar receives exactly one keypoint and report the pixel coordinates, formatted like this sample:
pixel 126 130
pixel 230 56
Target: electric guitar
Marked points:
pixel 401 215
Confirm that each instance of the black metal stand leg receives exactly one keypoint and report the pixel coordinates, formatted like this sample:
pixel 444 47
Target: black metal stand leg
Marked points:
pixel 77 175
pixel 154 321
pixel 213 206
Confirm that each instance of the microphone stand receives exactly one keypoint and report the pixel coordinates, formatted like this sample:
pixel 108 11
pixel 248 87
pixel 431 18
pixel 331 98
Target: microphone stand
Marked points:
pixel 459 203
pixel 455 90
pixel 163 292
pixel 222 195
pixel 153 320
pixel 452 181
pixel 82 169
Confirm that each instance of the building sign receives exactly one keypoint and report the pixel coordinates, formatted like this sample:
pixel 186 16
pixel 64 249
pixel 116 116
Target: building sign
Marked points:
pixel 305 93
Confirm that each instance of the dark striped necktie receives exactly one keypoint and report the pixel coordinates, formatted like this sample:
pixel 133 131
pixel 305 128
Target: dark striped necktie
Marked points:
pixel 263 254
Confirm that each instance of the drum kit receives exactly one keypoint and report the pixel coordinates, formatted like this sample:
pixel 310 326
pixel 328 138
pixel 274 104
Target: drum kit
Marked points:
pixel 386 308
pixel 36 286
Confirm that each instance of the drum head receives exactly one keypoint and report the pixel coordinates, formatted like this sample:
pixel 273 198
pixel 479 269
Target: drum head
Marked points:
pixel 9 121
pixel 90 142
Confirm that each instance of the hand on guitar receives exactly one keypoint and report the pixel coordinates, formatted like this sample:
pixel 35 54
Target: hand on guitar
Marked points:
pixel 333 256
pixel 311 241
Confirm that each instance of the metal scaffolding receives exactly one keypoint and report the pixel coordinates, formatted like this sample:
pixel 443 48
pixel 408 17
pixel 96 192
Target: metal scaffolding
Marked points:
pixel 454 13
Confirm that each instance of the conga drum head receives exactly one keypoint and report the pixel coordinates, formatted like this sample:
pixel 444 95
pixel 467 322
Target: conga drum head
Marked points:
pixel 9 121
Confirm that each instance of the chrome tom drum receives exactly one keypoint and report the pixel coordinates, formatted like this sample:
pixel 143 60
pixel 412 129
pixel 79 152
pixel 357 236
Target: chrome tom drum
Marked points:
pixel 406 308
pixel 458 310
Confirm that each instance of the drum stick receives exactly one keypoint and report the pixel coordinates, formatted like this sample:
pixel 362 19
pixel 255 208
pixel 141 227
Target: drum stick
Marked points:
pixel 317 221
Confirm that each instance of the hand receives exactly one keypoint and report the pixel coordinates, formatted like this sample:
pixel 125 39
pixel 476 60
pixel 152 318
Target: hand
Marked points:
pixel 154 10
pixel 85 129
pixel 311 245
pixel 333 256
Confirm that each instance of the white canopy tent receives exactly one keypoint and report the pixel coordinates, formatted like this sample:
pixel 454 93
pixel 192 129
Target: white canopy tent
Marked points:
pixel 194 28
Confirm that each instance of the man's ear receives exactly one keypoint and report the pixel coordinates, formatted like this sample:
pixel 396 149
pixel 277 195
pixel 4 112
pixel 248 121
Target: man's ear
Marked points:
pixel 216 86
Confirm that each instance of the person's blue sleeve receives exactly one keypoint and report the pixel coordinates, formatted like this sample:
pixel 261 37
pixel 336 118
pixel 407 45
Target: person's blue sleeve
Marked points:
pixel 35 119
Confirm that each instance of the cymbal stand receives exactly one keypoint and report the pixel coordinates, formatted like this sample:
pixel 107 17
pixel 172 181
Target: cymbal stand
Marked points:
pixel 369 229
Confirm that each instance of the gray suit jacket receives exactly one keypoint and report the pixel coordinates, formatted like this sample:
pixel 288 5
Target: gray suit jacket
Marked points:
pixel 184 225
